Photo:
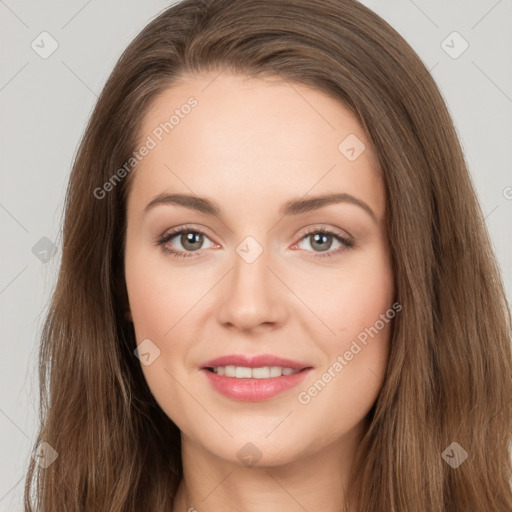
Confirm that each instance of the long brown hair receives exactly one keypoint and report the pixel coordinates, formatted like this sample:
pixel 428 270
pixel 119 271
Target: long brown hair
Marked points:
pixel 449 377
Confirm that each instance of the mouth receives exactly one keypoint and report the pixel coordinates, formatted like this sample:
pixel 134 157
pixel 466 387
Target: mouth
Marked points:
pixel 254 378
pixel 261 372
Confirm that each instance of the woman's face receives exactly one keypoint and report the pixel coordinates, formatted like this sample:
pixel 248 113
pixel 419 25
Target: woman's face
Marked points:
pixel 262 268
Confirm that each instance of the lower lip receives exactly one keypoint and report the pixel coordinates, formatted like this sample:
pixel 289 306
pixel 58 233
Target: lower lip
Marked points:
pixel 254 390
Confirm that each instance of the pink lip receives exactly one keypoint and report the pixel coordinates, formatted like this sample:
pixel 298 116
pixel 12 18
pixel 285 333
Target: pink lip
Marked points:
pixel 254 390
pixel 254 362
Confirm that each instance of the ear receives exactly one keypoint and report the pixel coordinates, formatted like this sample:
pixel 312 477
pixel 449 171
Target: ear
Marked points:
pixel 128 315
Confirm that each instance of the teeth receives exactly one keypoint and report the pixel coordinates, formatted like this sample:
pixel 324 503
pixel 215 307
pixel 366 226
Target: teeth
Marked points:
pixel 242 372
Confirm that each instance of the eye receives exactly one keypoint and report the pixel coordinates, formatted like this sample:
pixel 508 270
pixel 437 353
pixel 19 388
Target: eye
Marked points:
pixel 321 241
pixel 190 239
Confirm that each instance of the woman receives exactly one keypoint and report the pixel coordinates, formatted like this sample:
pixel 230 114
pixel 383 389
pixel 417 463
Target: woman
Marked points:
pixel 277 290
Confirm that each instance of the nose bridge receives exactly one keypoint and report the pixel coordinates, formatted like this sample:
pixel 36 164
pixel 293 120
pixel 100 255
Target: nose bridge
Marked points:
pixel 250 263
pixel 251 295
pixel 251 272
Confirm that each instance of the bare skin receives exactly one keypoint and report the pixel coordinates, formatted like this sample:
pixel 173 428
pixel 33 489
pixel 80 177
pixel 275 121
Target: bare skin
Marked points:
pixel 250 145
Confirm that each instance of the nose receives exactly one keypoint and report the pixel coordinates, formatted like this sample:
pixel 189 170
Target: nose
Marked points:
pixel 252 295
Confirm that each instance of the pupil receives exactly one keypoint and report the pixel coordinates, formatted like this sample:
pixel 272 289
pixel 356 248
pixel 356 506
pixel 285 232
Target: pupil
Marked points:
pixel 320 237
pixel 191 238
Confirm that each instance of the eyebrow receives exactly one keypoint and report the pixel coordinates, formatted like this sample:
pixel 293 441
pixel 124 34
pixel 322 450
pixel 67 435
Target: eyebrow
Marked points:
pixel 292 207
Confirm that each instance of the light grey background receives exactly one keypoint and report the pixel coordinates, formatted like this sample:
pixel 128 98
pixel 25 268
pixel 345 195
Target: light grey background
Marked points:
pixel 45 104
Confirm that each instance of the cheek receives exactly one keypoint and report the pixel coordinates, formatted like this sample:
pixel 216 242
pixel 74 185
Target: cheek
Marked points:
pixel 159 295
pixel 351 297
pixel 357 306
pixel 159 314
pixel 149 302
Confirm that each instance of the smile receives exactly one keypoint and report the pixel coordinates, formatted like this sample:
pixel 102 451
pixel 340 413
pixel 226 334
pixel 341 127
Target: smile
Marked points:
pixel 253 378
pixel 244 372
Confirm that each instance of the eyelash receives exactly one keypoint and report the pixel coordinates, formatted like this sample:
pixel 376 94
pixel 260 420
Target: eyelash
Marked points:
pixel 346 244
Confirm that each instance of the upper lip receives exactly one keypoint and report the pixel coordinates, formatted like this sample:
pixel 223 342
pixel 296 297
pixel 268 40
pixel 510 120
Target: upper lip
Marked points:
pixel 254 361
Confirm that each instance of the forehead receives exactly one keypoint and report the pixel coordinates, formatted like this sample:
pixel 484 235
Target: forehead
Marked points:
pixel 230 136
